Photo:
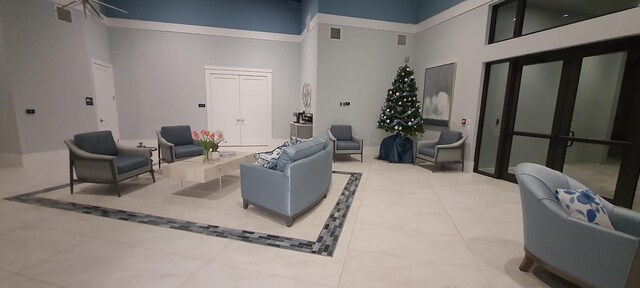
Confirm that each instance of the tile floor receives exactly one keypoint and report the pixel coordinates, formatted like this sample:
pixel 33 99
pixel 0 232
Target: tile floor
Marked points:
pixel 407 227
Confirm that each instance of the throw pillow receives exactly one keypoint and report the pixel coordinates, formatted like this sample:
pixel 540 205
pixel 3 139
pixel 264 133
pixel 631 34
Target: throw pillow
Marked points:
pixel 584 205
pixel 269 159
pixel 295 140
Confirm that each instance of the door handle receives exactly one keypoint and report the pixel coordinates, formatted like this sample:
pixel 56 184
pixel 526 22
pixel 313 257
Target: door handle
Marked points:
pixel 101 120
pixel 571 134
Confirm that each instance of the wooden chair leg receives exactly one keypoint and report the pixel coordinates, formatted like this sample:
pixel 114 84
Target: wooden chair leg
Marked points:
pixel 153 176
pixel 245 204
pixel 527 263
pixel 71 175
pixel 289 221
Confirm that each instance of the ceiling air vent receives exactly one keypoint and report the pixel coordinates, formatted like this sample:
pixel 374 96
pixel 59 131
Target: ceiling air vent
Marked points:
pixel 336 33
pixel 64 14
pixel 402 40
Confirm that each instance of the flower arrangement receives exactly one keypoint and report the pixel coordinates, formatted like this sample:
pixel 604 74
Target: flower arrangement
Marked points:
pixel 209 141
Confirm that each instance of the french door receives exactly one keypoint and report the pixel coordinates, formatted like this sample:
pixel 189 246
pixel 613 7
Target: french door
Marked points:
pixel 576 110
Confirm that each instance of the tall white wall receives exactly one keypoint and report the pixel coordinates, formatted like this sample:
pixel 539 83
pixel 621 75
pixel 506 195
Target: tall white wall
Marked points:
pixel 160 77
pixel 10 143
pixel 462 39
pixel 50 72
pixel 359 69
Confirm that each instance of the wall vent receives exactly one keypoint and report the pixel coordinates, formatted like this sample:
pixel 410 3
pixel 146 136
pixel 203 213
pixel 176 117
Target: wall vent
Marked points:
pixel 64 14
pixel 402 40
pixel 336 33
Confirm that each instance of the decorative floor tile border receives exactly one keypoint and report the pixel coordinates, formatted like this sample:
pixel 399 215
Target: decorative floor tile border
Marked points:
pixel 324 245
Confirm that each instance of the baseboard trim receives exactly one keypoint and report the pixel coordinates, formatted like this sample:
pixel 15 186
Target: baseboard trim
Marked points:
pixel 10 160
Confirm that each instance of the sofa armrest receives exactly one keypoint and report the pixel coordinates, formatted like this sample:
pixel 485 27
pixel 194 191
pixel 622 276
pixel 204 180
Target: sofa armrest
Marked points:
pixel 131 151
pixel 357 140
pixel 333 140
pixel 625 220
pixel 453 145
pixel 166 150
pixel 84 155
pixel 428 143
pixel 265 187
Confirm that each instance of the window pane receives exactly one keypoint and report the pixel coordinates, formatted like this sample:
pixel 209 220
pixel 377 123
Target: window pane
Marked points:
pixel 505 21
pixel 537 97
pixel 496 90
pixel 596 166
pixel 545 14
pixel 528 149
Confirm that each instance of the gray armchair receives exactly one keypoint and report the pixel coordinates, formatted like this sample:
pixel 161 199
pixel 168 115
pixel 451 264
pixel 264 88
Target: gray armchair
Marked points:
pixel 97 158
pixel 449 148
pixel 345 141
pixel 176 143
pixel 583 253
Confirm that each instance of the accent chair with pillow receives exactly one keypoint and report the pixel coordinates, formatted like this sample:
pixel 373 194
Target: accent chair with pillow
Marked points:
pixel 345 141
pixel 449 148
pixel 300 180
pixel 176 143
pixel 574 233
pixel 97 158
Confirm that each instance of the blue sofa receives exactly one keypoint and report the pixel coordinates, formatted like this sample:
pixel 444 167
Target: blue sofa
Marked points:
pixel 294 187
pixel 583 253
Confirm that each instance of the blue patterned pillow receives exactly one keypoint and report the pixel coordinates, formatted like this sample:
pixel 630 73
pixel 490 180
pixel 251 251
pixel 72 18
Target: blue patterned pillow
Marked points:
pixel 295 140
pixel 584 205
pixel 269 159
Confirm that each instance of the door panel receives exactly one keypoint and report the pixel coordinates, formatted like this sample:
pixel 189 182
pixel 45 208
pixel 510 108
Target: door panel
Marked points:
pixel 528 149
pixel 254 102
pixel 226 112
pixel 595 166
pixel 106 106
pixel 492 123
pixel 537 97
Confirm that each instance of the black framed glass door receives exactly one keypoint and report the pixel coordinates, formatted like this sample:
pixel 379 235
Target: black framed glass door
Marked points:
pixel 575 110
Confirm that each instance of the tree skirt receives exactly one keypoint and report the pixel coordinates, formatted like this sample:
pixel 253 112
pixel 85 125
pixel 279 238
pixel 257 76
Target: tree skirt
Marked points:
pixel 396 149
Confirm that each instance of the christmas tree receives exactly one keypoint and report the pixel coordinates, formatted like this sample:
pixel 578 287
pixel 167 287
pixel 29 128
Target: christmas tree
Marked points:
pixel 401 113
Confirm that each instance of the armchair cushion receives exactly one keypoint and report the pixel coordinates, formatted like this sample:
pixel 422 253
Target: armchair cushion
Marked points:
pixel 347 145
pixel 299 151
pixel 99 142
pixel 585 205
pixel 188 150
pixel 449 137
pixel 426 150
pixel 341 132
pixel 130 163
pixel 177 135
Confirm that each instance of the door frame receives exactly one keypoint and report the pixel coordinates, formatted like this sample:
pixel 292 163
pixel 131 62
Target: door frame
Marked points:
pixel 96 101
pixel 239 71
pixel 572 58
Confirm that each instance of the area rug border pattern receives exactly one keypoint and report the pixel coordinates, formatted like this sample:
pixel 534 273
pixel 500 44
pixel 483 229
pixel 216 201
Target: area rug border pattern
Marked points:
pixel 324 245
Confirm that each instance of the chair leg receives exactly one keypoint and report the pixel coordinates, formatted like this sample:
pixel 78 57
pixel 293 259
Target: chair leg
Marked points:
pixel 159 159
pixel 71 175
pixel 245 204
pixel 289 221
pixel 117 188
pixel 153 176
pixel 527 263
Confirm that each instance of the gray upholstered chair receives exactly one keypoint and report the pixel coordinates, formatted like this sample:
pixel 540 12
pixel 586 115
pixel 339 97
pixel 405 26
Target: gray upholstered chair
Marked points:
pixel 449 148
pixel 97 158
pixel 294 190
pixel 176 143
pixel 583 253
pixel 345 141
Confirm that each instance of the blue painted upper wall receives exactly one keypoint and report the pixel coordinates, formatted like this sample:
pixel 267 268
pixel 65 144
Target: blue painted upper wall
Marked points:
pixel 278 16
pixel 400 11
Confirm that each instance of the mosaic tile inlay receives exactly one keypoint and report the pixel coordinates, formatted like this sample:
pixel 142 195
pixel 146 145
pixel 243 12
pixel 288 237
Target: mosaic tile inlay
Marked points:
pixel 324 245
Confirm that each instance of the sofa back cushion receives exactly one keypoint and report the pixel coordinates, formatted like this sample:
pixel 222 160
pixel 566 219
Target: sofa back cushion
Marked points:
pixel 449 137
pixel 299 151
pixel 99 142
pixel 341 132
pixel 177 135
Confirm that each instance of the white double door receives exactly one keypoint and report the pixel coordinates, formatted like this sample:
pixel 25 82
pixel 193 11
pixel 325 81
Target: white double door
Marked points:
pixel 240 106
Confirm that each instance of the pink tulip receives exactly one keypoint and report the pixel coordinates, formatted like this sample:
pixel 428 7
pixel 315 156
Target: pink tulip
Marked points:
pixel 195 135
pixel 220 135
pixel 211 136
pixel 206 133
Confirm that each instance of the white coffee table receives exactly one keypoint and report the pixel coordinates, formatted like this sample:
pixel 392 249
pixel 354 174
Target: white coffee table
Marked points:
pixel 194 170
